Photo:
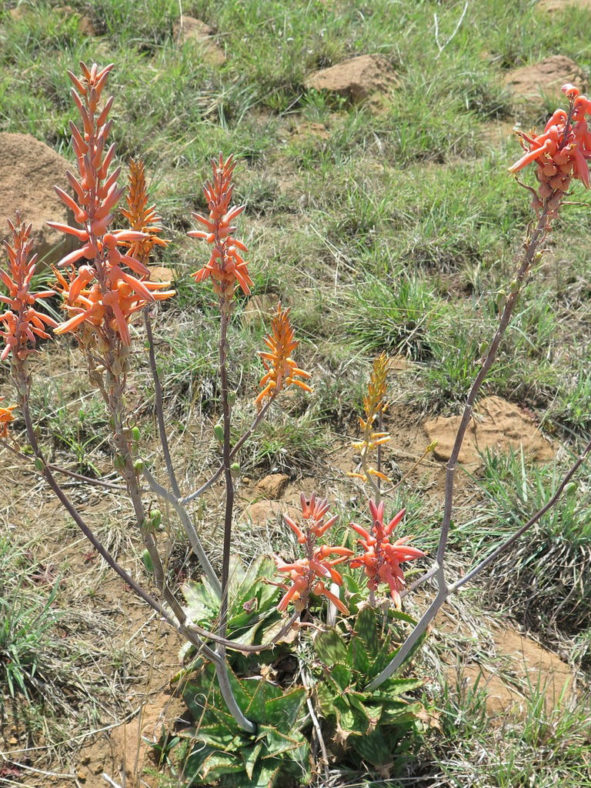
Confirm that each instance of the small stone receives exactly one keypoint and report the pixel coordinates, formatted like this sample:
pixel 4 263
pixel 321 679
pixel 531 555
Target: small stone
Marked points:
pixel 551 6
pixel 158 273
pixel 263 512
pixel 13 741
pixel 310 129
pixel 273 486
pixel 85 26
pixel 497 425
pixel 81 775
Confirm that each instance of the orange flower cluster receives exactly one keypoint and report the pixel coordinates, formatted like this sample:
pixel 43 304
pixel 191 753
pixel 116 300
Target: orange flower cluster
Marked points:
pixel 101 294
pixel 5 418
pixel 374 403
pixel 226 265
pixel 22 322
pixel 308 575
pixel 281 369
pixel 560 153
pixel 140 215
pixel 381 558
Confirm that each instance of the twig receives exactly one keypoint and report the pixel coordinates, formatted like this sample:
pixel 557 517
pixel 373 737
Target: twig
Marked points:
pixel 64 471
pixel 532 521
pixel 441 47
pixel 36 771
pixel 110 781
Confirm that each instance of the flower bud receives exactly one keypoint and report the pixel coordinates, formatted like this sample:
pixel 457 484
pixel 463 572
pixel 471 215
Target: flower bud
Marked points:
pixel 147 561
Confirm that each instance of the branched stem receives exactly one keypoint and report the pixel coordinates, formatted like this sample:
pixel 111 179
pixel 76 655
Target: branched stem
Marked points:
pixel 438 570
pixel 22 386
pixel 159 406
pixel 235 449
pixel 190 530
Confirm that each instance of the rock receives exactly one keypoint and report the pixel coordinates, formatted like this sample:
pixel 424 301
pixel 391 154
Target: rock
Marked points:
pixel 559 5
pixel 355 79
pixel 29 170
pixel 534 670
pixel 545 77
pixel 259 309
pixel 189 30
pixel 273 486
pixel 496 425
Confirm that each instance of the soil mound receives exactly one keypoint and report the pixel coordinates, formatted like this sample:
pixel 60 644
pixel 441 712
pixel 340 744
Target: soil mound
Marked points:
pixel 496 425
pixel 545 77
pixel 29 170
pixel 356 78
pixel 194 31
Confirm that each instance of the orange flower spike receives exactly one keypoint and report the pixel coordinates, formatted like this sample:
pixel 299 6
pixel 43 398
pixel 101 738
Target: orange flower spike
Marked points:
pixel 140 215
pixel 381 558
pixel 560 153
pixel 22 322
pixel 281 370
pixel 226 266
pixel 117 295
pixel 320 560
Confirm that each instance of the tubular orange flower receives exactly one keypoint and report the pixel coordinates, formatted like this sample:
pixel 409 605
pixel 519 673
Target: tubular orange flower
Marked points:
pixel 22 322
pixel 226 265
pixel 114 294
pixel 381 558
pixel 5 418
pixel 281 369
pixel 308 575
pixel 560 152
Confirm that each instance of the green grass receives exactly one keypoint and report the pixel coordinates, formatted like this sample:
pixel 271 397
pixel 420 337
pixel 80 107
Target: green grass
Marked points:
pixel 545 747
pixel 27 619
pixel 544 579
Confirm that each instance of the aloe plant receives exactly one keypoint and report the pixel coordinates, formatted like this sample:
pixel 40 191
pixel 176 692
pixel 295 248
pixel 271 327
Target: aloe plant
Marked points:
pixel 216 750
pixel 369 723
